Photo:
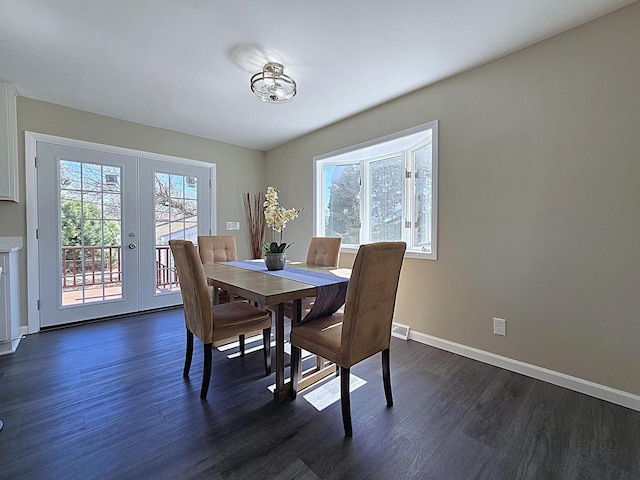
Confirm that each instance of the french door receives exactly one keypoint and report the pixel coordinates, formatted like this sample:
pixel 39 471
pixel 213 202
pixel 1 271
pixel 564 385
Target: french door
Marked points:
pixel 104 222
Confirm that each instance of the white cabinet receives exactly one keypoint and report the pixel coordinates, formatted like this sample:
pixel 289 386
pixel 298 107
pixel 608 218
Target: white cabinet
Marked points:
pixel 9 294
pixel 8 143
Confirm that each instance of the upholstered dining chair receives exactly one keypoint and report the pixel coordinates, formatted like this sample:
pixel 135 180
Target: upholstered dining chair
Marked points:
pixel 213 322
pixel 220 248
pixel 323 252
pixel 217 248
pixel 365 326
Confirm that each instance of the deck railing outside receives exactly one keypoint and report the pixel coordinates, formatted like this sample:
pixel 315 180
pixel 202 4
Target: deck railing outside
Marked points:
pixel 102 266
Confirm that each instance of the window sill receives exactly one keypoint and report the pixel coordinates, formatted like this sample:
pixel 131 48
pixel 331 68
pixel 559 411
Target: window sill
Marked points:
pixel 408 254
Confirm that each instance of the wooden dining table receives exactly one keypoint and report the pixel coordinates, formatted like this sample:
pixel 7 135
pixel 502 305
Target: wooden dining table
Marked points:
pixel 265 289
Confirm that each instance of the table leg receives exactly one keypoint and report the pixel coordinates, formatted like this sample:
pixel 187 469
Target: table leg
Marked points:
pixel 216 296
pixel 297 312
pixel 297 318
pixel 280 393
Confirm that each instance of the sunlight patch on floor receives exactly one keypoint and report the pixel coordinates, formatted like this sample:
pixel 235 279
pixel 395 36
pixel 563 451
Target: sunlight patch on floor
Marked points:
pixel 326 392
pixel 329 392
pixel 236 344
pixel 321 394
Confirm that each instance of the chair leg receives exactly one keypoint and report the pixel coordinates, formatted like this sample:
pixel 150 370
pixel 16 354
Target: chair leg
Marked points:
pixel 189 354
pixel 206 374
pixel 266 347
pixel 345 399
pixel 241 339
pixel 386 377
pixel 296 355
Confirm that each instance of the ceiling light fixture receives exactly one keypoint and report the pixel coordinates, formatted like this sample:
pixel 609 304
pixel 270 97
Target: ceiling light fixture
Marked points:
pixel 272 85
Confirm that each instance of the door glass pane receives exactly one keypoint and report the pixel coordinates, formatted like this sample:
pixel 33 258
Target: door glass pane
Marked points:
pixel 90 232
pixel 341 202
pixel 191 188
pixel 423 198
pixel 386 184
pixel 176 217
pixel 111 203
pixel 91 177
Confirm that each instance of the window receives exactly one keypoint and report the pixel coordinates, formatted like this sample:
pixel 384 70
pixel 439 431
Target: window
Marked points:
pixel 382 190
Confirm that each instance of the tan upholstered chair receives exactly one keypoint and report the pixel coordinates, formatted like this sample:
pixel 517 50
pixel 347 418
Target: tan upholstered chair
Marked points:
pixel 211 323
pixel 220 248
pixel 365 327
pixel 323 252
pixel 217 248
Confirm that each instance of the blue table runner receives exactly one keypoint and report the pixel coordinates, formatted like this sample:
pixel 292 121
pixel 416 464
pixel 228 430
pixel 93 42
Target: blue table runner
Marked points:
pixel 332 289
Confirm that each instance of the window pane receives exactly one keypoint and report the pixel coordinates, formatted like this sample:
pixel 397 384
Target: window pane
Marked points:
pixel 385 209
pixel 162 214
pixel 112 234
pixel 423 198
pixel 341 202
pixel 111 179
pixel 70 175
pixel 191 190
pixel 91 177
pixel 176 187
pixel 177 210
pixel 111 206
pixel 92 232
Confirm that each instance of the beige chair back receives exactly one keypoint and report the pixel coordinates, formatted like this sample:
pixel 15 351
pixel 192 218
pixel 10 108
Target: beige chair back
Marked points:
pixel 217 248
pixel 324 251
pixel 371 298
pixel 193 285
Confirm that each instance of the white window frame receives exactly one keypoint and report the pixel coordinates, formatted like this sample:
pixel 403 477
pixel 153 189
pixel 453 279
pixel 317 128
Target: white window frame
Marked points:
pixel 342 157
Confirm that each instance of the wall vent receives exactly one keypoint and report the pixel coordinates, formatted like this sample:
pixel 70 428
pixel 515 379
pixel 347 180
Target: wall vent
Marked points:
pixel 400 331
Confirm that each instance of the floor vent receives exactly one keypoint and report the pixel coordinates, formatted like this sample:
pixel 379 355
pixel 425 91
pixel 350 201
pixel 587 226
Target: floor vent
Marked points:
pixel 400 331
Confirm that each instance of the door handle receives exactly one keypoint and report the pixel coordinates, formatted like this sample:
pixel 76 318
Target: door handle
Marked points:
pixel 132 246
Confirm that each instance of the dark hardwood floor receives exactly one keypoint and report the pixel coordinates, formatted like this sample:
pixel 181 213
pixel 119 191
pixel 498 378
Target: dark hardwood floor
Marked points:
pixel 107 400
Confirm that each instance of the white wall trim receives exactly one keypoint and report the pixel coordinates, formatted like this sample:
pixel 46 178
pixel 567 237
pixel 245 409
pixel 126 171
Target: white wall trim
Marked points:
pixel 592 389
pixel 31 194
pixel 102 147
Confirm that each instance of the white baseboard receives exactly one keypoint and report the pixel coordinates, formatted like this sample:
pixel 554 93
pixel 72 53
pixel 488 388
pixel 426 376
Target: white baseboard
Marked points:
pixel 596 390
pixel 9 347
pixel 24 330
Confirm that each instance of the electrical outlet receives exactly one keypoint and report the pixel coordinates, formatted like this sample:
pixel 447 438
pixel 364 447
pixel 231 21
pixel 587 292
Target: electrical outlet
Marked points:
pixel 233 225
pixel 500 326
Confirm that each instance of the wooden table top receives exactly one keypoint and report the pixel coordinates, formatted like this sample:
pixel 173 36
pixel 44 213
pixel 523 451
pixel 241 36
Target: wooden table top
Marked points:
pixel 263 288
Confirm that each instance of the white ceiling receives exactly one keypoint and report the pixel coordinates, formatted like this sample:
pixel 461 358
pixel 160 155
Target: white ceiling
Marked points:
pixel 184 65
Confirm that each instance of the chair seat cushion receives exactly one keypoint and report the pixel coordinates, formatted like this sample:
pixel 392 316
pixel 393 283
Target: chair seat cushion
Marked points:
pixel 235 318
pixel 321 336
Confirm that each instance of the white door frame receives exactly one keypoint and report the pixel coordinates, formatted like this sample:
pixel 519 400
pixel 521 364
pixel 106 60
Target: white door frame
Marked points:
pixel 31 176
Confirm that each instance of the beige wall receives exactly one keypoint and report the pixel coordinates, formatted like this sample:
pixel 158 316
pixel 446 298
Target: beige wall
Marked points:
pixel 238 169
pixel 539 202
